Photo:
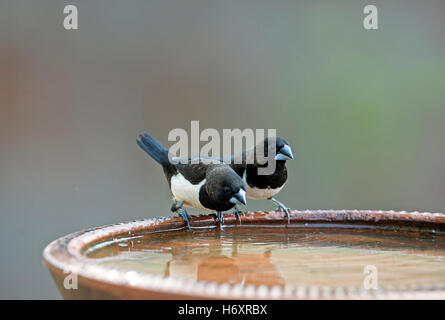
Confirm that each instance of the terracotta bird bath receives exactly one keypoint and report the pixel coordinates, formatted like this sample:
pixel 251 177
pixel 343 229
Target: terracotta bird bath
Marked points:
pixel 322 254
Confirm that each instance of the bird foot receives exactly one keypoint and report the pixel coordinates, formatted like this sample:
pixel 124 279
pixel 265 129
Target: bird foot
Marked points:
pixel 178 207
pixel 286 211
pixel 282 208
pixel 220 219
pixel 187 218
pixel 237 213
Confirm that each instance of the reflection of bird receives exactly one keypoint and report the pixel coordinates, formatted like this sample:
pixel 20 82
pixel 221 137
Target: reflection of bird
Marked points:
pixel 224 257
pixel 259 185
pixel 203 184
pixel 246 269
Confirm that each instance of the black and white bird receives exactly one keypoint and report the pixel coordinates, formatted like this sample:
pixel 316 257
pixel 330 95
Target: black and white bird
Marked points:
pixel 206 184
pixel 264 186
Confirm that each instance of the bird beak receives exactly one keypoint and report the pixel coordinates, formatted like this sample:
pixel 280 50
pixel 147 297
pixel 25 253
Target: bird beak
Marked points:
pixel 239 198
pixel 285 153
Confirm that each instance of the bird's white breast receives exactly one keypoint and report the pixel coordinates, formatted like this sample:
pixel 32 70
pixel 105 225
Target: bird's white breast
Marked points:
pixel 184 190
pixel 257 193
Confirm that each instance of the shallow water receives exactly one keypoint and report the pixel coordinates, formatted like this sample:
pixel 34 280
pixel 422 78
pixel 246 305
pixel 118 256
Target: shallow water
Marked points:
pixel 296 256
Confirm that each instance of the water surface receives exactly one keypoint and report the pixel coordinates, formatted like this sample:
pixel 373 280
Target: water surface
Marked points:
pixel 307 256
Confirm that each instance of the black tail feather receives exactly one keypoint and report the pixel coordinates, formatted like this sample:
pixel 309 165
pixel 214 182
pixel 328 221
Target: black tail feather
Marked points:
pixel 154 148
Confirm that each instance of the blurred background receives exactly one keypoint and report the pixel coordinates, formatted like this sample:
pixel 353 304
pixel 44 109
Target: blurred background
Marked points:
pixel 363 110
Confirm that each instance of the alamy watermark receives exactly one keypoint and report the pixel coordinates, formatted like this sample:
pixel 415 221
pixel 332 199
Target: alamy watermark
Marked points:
pixel 232 143
pixel 370 282
pixel 71 19
pixel 71 14
pixel 70 280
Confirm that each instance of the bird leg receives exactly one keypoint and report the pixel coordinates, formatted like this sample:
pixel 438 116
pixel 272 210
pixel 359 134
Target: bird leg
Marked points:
pixel 220 216
pixel 178 207
pixel 237 213
pixel 282 207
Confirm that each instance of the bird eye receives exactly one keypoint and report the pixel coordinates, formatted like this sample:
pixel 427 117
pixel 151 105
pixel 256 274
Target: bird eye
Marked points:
pixel 227 190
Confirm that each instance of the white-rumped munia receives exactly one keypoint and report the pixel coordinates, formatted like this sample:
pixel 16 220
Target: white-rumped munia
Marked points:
pixel 206 184
pixel 264 186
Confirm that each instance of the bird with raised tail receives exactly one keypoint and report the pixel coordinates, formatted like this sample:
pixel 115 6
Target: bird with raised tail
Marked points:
pixel 206 184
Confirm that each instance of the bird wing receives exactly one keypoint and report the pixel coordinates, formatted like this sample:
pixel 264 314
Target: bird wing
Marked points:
pixel 195 169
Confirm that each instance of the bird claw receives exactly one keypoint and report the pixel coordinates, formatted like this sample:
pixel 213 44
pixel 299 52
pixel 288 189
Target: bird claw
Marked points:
pixel 177 206
pixel 237 213
pixel 286 211
pixel 220 219
pixel 282 208
pixel 184 214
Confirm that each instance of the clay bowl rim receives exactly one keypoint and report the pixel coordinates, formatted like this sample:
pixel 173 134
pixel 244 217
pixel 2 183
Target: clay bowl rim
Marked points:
pixel 66 255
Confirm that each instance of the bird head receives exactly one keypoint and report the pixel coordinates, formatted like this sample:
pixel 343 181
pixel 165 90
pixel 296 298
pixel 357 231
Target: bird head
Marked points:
pixel 225 186
pixel 282 150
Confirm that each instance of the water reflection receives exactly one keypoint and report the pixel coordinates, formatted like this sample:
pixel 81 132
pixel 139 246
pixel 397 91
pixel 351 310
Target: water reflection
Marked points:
pixel 276 257
pixel 246 269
